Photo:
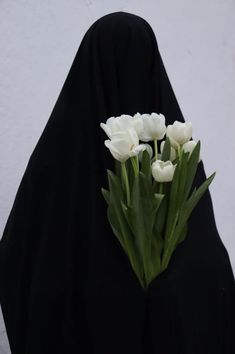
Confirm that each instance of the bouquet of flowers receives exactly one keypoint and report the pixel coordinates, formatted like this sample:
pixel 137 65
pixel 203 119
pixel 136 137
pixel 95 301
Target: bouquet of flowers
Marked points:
pixel 149 199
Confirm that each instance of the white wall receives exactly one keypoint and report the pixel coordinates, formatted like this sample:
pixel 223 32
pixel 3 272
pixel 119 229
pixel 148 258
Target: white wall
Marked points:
pixel 38 42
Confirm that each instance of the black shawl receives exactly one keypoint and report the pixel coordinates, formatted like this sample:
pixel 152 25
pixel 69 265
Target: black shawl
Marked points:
pixel 66 285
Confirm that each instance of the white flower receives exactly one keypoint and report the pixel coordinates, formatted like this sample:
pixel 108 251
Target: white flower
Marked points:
pixel 173 152
pixel 124 144
pixel 122 123
pixel 189 146
pixel 148 147
pixel 179 133
pixel 163 171
pixel 153 126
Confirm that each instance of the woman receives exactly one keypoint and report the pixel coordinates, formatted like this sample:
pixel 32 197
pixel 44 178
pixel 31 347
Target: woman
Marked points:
pixel 66 283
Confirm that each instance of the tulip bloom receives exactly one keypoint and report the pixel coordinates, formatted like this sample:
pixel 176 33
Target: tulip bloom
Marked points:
pixel 154 127
pixel 122 123
pixel 163 171
pixel 179 133
pixel 124 144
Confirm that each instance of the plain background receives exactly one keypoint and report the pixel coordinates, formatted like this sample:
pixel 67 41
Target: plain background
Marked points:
pixel 38 42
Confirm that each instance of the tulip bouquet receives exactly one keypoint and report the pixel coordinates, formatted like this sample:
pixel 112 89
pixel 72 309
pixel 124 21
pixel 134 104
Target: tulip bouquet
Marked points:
pixel 150 198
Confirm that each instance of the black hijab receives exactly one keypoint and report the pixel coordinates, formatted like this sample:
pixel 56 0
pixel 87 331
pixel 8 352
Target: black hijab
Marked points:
pixel 66 285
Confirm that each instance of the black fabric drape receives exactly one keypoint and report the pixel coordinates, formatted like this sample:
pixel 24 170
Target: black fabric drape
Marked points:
pixel 66 285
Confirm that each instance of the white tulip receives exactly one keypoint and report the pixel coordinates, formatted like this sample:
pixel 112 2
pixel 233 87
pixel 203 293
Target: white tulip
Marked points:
pixel 148 147
pixel 163 171
pixel 172 153
pixel 179 133
pixel 154 127
pixel 122 123
pixel 189 146
pixel 124 144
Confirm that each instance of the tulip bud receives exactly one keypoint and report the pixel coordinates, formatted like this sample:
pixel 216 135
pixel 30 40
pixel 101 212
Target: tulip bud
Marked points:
pixel 189 146
pixel 148 147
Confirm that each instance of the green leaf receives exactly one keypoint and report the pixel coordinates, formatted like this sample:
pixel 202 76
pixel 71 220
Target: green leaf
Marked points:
pixel 105 194
pixel 115 185
pixel 117 228
pixel 166 153
pixel 180 230
pixel 130 173
pixel 192 168
pixel 183 234
pixel 123 234
pixel 160 218
pixel 156 250
pixel 183 174
pixel 139 208
pixel 145 164
pixel 195 197
pixel 157 201
pixel 117 166
pixel 120 225
pixel 155 186
pixel 117 217
pixel 141 216
pixel 189 206
pixel 172 202
pixel 115 197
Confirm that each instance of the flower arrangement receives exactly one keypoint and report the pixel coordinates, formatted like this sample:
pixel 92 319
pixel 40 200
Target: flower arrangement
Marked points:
pixel 149 200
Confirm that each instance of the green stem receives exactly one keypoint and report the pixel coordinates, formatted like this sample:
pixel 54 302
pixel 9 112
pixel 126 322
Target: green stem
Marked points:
pixel 126 182
pixel 137 162
pixel 135 165
pixel 161 188
pixel 180 151
pixel 156 149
